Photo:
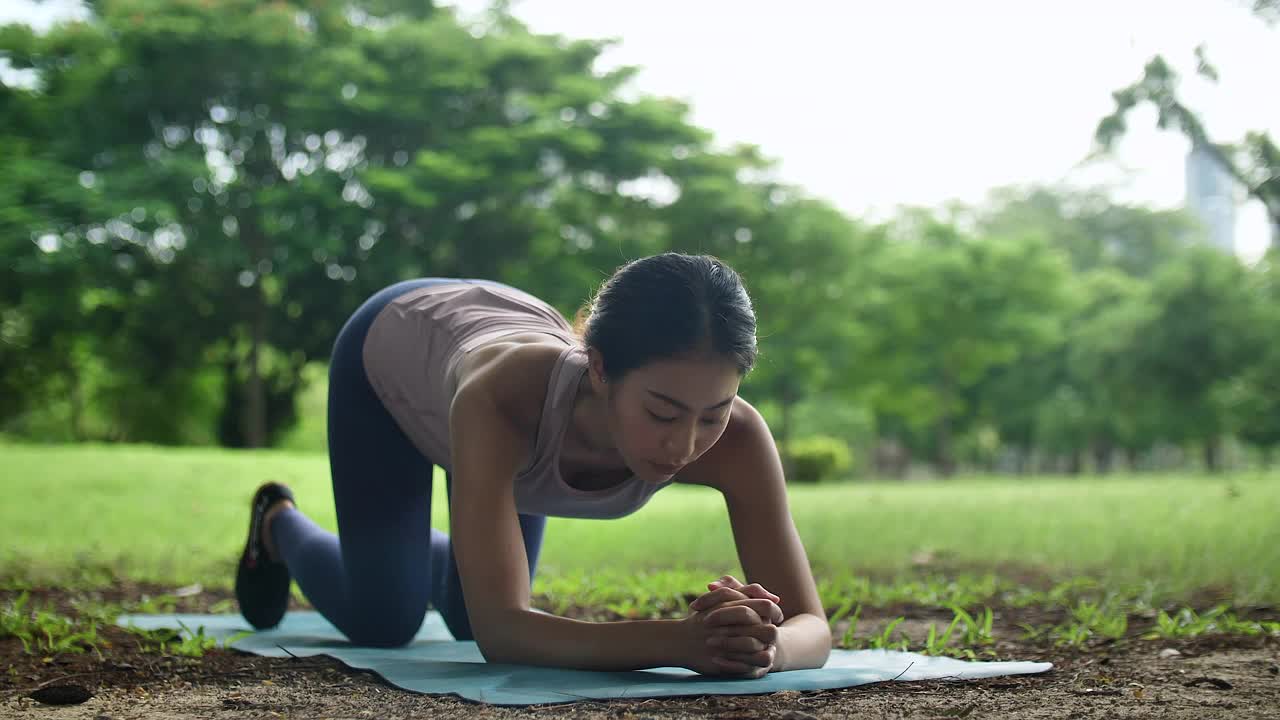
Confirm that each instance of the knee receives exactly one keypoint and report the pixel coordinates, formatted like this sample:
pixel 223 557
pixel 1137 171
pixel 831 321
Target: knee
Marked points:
pixel 387 624
pixel 384 632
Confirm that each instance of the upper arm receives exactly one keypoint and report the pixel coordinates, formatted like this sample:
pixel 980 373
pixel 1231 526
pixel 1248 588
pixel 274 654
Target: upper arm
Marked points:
pixel 745 466
pixel 488 450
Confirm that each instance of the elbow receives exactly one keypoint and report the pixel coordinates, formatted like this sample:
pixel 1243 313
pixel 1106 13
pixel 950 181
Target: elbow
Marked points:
pixel 823 643
pixel 824 653
pixel 807 644
pixel 498 652
pixel 827 637
pixel 498 642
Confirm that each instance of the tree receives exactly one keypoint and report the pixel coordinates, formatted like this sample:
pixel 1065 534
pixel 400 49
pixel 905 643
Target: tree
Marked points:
pixel 1254 162
pixel 287 159
pixel 946 309
pixel 1201 337
pixel 805 264
pixel 1254 396
pixel 1080 396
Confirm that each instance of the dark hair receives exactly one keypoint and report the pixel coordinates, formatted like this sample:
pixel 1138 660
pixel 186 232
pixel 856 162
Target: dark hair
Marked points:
pixel 669 305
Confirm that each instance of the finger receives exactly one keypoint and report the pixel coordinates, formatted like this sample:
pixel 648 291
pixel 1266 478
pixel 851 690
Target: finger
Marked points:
pixel 757 590
pixel 736 644
pixel 728 581
pixel 766 634
pixel 731 667
pixel 761 659
pixel 732 615
pixel 768 610
pixel 716 597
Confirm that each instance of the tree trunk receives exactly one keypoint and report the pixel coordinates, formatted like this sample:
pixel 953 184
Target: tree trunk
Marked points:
pixel 1021 459
pixel 942 454
pixel 1213 454
pixel 255 407
pixel 1075 461
pixel 1102 456
pixel 75 394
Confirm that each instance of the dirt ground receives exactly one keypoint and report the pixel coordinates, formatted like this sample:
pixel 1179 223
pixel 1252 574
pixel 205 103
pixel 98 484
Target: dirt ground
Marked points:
pixel 1205 678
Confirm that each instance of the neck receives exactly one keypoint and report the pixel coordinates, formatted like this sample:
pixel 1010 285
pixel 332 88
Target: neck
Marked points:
pixel 590 422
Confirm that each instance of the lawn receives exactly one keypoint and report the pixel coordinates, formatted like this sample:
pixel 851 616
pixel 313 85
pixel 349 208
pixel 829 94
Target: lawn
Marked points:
pixel 1106 577
pixel 83 515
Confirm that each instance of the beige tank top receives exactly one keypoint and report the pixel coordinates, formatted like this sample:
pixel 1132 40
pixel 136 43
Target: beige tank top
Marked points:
pixel 411 354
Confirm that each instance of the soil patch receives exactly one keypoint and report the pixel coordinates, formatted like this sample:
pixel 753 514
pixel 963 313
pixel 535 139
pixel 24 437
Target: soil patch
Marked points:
pixel 1205 677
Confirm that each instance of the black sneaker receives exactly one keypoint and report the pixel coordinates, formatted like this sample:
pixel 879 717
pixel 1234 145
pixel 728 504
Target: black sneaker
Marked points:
pixel 262 584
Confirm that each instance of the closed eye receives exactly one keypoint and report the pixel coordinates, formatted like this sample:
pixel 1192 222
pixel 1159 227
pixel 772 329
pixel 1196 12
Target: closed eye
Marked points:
pixel 662 419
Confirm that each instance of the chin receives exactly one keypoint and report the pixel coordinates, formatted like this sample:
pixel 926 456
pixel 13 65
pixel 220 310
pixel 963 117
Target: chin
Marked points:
pixel 645 471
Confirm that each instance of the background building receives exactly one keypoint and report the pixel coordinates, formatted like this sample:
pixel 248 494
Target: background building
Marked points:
pixel 1210 196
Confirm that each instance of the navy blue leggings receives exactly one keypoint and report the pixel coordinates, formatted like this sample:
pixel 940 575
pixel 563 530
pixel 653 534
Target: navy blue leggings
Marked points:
pixel 375 578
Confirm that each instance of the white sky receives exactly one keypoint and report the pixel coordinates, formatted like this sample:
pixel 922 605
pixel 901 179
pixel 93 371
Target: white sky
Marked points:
pixel 876 104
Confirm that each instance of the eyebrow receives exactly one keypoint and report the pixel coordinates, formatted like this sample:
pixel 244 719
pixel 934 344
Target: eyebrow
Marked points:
pixel 682 406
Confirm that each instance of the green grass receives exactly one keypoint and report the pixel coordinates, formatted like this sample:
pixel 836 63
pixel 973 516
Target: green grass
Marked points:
pixel 44 631
pixel 84 515
pixel 1108 553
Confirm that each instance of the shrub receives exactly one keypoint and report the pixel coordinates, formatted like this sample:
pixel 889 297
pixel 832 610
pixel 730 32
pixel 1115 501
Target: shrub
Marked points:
pixel 816 458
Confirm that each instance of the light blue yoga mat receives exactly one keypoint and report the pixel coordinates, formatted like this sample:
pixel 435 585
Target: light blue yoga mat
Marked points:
pixel 436 663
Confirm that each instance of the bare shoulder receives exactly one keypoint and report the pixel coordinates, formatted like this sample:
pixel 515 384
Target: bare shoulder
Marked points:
pixel 512 377
pixel 745 445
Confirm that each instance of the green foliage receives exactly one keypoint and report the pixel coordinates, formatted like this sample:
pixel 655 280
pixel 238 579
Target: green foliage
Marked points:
pixel 81 506
pixel 45 632
pixel 946 310
pixel 816 458
pixel 198 194
pixel 972 634
pixel 311 432
pixel 1254 162
pixel 185 642
pixel 846 639
pixel 219 184
pixel 1089 619
pixel 1218 620
pixel 884 641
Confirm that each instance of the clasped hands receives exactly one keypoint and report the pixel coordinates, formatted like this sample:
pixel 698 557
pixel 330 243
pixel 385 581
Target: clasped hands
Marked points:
pixel 736 626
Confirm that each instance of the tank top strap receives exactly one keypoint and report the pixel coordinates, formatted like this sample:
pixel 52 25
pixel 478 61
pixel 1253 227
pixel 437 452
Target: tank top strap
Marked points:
pixel 557 410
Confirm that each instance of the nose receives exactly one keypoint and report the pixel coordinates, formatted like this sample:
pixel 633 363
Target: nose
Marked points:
pixel 680 445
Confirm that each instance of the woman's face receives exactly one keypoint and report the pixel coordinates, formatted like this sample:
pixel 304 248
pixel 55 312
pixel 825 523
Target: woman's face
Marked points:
pixel 669 412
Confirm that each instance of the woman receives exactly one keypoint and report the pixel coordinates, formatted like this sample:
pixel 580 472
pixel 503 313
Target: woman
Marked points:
pixel 531 417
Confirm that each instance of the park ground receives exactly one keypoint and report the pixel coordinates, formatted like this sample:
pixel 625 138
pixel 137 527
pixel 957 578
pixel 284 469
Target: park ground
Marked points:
pixel 1154 596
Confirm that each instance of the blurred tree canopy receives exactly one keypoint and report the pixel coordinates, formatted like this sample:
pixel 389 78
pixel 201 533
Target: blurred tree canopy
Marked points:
pixel 199 192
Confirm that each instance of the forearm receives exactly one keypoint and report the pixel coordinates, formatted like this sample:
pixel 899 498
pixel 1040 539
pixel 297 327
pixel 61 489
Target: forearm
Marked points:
pixel 533 638
pixel 804 642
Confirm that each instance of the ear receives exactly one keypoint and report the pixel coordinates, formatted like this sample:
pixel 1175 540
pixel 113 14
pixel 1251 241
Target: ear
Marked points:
pixel 595 368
